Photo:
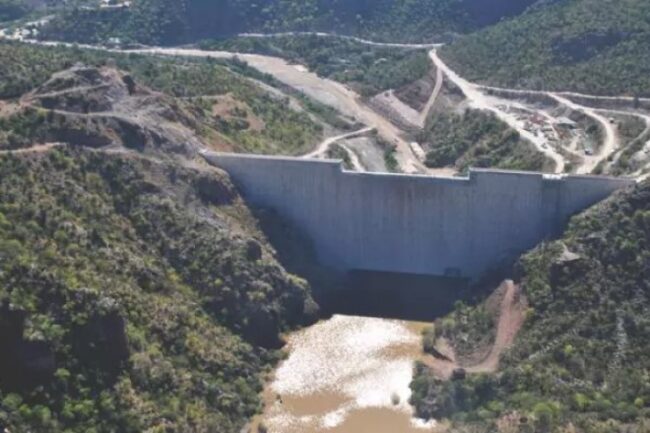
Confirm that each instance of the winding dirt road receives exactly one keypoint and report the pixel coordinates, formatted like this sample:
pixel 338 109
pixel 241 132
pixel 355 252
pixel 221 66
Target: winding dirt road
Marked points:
pixel 325 144
pixel 332 35
pixel 644 135
pixel 424 114
pixel 349 103
pixel 511 316
pixel 481 101
pixel 610 143
pixel 322 148
pixel 354 158
pixel 321 89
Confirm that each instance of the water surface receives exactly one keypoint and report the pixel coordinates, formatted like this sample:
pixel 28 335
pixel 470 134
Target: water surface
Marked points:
pixel 347 375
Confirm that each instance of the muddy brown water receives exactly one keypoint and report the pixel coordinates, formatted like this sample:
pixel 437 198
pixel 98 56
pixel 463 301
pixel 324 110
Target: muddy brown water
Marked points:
pixel 346 374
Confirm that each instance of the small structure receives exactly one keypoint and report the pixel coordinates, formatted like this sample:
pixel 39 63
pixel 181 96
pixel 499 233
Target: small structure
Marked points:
pixel 565 122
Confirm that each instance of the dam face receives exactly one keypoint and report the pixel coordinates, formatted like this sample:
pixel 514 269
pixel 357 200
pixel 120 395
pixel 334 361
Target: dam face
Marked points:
pixel 461 227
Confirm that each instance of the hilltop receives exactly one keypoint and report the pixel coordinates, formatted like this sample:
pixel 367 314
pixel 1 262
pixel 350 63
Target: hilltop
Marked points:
pixel 169 22
pixel 590 46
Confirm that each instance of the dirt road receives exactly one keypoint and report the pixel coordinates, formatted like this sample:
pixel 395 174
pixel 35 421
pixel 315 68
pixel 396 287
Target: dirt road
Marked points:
pixel 325 144
pixel 511 318
pixel 37 148
pixel 323 90
pixel 354 158
pixel 610 143
pixel 481 101
pixel 440 78
pixel 332 35
pixel 348 102
pixel 322 148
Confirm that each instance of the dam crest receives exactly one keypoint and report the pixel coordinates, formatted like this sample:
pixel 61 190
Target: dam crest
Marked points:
pixel 415 224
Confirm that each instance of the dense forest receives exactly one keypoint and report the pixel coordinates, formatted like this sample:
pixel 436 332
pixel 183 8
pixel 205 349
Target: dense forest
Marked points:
pixel 592 46
pixel 585 371
pixel 595 46
pixel 134 296
pixel 172 22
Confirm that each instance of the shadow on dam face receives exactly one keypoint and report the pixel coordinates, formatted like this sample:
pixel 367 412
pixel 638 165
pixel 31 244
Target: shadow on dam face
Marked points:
pixel 394 295
pixel 363 292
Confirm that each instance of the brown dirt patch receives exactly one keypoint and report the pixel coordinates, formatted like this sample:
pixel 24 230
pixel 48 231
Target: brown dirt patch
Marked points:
pixel 8 109
pixel 509 304
pixel 227 106
pixel 417 93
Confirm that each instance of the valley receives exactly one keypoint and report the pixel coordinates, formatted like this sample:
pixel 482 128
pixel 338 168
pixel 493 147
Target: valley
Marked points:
pixel 178 252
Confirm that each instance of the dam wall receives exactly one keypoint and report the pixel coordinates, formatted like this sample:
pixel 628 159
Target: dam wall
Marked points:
pixel 414 224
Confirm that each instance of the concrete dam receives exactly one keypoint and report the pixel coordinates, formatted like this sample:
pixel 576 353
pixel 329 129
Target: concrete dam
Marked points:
pixel 461 227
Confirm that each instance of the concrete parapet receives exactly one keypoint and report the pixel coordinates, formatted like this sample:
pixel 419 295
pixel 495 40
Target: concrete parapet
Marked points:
pixel 460 226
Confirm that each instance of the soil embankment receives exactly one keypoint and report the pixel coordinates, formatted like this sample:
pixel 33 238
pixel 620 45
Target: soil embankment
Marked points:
pixel 511 313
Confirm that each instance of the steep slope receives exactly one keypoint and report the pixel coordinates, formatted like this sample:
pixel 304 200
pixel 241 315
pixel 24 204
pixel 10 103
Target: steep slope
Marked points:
pixel 135 296
pixel 136 291
pixel 478 139
pixel 185 101
pixel 592 46
pixel 12 9
pixel 172 22
pixel 581 357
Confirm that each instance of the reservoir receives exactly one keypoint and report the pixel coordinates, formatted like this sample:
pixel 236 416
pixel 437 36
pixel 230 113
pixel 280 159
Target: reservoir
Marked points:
pixel 346 374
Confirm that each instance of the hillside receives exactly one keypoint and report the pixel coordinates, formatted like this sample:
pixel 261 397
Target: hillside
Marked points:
pixel 581 360
pixel 478 139
pixel 135 295
pixel 137 292
pixel 200 102
pixel 591 46
pixel 171 22
pixel 12 9
pixel 366 69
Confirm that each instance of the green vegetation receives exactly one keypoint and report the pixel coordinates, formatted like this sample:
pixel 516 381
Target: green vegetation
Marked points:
pixel 12 9
pixel 478 139
pixel 389 159
pixel 284 130
pixel 173 22
pixel 467 328
pixel 26 128
pixel 337 152
pixel 367 69
pixel 585 371
pixel 593 46
pixel 633 131
pixel 128 302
